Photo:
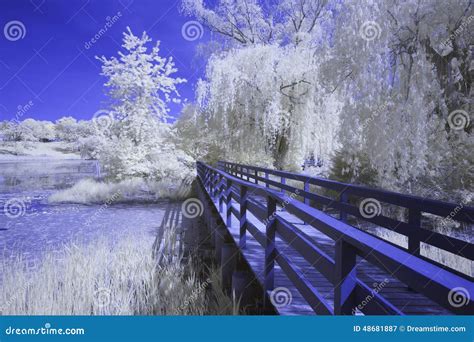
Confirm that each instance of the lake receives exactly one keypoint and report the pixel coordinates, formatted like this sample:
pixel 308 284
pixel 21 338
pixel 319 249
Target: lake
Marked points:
pixel 30 226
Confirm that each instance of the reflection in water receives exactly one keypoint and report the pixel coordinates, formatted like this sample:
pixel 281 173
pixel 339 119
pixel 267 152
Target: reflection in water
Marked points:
pixel 45 174
pixel 29 225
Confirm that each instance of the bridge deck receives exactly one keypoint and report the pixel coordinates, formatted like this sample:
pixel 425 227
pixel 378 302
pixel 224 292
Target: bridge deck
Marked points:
pixel 397 293
pixel 338 264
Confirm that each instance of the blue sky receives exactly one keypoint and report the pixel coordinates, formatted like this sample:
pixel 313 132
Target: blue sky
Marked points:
pixel 47 68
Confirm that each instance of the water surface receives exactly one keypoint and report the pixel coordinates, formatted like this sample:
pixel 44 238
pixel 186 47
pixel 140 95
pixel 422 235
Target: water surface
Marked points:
pixel 30 226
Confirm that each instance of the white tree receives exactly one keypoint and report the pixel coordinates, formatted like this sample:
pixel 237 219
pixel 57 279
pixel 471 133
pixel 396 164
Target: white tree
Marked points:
pixel 47 132
pixel 270 104
pixel 399 92
pixel 249 22
pixel 141 85
pixel 377 81
pixel 66 129
pixel 264 85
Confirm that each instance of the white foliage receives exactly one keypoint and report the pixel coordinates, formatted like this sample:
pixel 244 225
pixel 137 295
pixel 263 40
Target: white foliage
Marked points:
pixel 141 84
pixel 374 82
pixel 268 100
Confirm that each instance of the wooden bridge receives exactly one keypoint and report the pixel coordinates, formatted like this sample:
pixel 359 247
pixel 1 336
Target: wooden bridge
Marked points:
pixel 315 251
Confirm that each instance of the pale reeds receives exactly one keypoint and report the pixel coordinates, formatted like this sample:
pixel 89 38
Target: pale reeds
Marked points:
pixel 133 276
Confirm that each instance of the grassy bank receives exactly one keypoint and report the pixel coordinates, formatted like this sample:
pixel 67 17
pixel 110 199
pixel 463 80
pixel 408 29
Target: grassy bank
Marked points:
pixel 130 277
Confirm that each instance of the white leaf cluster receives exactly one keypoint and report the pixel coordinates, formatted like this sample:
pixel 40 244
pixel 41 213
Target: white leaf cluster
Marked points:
pixel 366 89
pixel 137 144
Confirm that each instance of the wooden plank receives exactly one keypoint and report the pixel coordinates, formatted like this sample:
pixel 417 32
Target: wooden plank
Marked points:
pixel 395 295
pixel 440 208
pixel 309 292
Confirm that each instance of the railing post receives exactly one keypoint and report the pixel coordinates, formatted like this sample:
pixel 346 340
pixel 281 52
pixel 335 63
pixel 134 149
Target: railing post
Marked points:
pixel 283 191
pixel 414 222
pixel 228 202
pixel 256 177
pixel 206 179
pixel 214 184
pixel 267 177
pixel 270 231
pixel 343 198
pixel 243 216
pixel 220 194
pixel 345 278
pixel 306 200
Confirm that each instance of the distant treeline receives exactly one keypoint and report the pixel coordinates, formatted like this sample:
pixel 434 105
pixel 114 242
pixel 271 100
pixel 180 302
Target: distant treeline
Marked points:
pixel 65 129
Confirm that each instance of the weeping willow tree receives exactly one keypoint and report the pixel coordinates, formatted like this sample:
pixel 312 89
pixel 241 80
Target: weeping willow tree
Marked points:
pixel 261 86
pixel 380 92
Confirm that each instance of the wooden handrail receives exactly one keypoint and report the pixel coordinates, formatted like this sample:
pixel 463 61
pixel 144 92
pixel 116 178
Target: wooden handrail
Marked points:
pixel 422 276
pixel 440 208
pixel 416 206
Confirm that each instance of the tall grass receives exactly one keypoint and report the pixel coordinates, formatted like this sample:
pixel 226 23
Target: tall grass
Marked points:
pixel 129 277
pixel 443 257
pixel 88 191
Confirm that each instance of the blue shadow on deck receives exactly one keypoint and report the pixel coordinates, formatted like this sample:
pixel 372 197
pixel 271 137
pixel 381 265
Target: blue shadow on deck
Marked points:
pixel 326 265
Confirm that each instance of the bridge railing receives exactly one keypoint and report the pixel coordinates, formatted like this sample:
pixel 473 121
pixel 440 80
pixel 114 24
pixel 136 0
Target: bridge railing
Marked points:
pixel 420 275
pixel 412 227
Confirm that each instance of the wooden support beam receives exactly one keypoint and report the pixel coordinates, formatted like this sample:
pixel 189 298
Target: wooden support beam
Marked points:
pixel 270 231
pixel 243 216
pixel 343 198
pixel 345 278
pixel 414 223
pixel 228 202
